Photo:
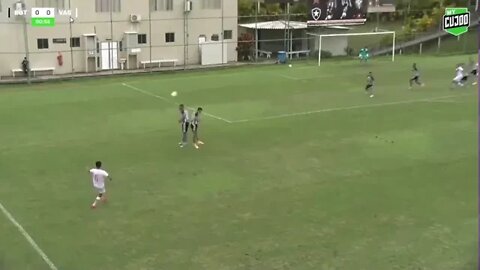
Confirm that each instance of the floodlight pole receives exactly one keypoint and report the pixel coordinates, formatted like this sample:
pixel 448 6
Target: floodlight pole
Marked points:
pixel 27 51
pixel 110 44
pixel 71 48
pixel 257 8
pixel 149 34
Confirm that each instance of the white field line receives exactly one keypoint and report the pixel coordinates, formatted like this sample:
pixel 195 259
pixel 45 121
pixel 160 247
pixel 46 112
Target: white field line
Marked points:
pixel 288 77
pixel 443 101
pixel 320 76
pixel 171 102
pixel 28 237
pixel 345 108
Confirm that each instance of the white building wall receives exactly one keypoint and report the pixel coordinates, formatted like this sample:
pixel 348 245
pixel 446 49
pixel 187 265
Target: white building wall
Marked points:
pixel 199 22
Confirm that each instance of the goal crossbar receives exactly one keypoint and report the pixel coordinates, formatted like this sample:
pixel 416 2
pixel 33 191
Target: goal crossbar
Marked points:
pixel 321 36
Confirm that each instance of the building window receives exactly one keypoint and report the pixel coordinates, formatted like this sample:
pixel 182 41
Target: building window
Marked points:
pixel 108 5
pixel 214 37
pixel 59 41
pixel 75 42
pixel 161 5
pixel 227 34
pixel 142 38
pixel 211 4
pixel 42 43
pixel 169 37
pixel 50 3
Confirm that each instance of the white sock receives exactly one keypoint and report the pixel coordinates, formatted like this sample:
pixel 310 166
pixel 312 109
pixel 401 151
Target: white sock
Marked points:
pixel 96 201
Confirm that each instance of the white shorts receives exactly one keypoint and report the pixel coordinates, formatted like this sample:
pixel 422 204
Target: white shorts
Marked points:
pixel 458 79
pixel 100 190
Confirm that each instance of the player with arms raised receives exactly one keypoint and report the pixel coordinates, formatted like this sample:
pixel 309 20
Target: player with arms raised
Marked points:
pixel 98 177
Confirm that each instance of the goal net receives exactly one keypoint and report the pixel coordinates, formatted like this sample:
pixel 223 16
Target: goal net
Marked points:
pixel 321 38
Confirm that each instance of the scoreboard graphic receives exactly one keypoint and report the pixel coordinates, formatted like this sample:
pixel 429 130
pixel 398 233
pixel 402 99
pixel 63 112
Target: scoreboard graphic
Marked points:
pixel 43 17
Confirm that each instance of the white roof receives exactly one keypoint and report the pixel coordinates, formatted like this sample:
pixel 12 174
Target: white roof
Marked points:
pixel 275 25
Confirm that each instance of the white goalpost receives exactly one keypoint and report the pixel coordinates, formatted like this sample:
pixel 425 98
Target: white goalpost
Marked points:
pixel 320 39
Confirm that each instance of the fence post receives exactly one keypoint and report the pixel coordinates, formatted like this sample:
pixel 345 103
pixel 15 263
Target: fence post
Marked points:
pixel 439 44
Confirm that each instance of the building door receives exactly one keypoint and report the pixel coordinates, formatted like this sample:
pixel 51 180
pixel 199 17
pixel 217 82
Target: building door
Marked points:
pixel 109 55
pixel 132 62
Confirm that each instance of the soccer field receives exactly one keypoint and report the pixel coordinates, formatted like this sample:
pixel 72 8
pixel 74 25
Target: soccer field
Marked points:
pixel 300 170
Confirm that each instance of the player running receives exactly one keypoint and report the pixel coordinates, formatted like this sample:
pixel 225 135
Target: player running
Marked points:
pixel 415 76
pixel 98 177
pixel 370 84
pixel 473 71
pixel 459 77
pixel 185 122
pixel 194 126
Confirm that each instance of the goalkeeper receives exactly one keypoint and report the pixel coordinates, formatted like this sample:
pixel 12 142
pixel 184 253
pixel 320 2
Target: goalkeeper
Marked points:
pixel 363 55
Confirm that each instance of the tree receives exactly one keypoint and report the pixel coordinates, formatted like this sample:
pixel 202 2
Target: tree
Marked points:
pixel 246 8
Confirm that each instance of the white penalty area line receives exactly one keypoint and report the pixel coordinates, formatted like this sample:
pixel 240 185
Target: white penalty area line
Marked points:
pixel 171 102
pixel 28 237
pixel 346 108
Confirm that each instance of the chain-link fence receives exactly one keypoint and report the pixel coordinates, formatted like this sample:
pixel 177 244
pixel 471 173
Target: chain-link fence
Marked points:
pixel 119 36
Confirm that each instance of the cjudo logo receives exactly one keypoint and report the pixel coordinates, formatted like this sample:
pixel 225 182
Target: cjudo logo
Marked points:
pixel 456 21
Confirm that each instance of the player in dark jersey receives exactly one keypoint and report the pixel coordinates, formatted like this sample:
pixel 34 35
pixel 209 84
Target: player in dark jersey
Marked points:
pixel 370 84
pixel 194 125
pixel 184 122
pixel 415 76
pixel 473 72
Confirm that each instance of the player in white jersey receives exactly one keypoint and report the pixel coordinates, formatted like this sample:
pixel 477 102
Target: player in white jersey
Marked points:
pixel 98 178
pixel 457 81
pixel 185 124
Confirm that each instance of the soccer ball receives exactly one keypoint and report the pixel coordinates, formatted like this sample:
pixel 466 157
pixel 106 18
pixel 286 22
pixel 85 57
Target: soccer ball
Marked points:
pixel 290 65
pixel 174 94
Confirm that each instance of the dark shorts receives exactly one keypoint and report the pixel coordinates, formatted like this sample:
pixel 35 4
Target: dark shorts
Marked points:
pixel 415 78
pixel 368 87
pixel 194 127
pixel 465 78
pixel 185 127
pixel 474 72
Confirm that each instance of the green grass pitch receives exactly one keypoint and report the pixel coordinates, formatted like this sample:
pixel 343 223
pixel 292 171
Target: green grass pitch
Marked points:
pixel 300 170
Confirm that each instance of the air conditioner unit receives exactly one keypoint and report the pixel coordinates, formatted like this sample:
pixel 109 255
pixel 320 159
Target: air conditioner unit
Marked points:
pixel 134 18
pixel 188 6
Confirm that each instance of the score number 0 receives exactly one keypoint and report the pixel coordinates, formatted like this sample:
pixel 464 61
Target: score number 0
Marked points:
pixel 43 13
